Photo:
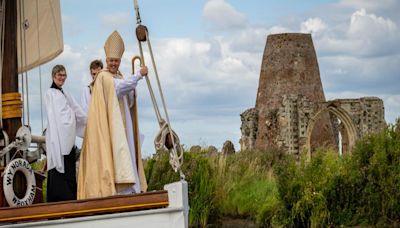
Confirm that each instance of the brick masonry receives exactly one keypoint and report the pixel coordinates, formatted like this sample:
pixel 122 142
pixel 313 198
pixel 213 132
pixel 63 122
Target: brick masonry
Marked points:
pixel 291 111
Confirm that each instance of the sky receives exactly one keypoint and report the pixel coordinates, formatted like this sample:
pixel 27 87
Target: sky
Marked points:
pixel 208 55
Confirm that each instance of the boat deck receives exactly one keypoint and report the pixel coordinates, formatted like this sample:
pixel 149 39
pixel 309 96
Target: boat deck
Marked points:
pixel 79 208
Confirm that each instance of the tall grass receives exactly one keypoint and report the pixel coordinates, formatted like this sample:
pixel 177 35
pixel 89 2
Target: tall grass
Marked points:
pixel 244 182
pixel 200 177
pixel 238 185
pixel 360 189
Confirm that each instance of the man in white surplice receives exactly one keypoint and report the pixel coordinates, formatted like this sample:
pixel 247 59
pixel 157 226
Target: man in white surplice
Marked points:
pixel 110 160
pixel 65 120
pixel 95 67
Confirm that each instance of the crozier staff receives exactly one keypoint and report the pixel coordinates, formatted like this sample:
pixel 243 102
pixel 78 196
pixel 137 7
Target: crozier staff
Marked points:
pixel 65 120
pixel 110 163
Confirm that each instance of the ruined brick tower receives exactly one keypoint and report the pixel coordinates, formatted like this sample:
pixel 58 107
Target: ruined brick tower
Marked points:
pixel 289 81
pixel 291 112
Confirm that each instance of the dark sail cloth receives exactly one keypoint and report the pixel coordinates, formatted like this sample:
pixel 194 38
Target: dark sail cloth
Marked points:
pixel 62 186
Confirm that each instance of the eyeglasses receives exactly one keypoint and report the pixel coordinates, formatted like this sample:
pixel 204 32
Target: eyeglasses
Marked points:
pixel 61 75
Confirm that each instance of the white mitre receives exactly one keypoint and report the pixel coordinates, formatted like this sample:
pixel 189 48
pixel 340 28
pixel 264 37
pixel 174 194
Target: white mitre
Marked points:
pixel 114 46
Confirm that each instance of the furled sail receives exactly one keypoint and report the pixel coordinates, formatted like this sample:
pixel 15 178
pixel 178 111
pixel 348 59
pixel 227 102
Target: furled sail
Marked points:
pixel 39 32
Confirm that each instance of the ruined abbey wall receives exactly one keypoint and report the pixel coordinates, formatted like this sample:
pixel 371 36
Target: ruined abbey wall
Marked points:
pixel 291 112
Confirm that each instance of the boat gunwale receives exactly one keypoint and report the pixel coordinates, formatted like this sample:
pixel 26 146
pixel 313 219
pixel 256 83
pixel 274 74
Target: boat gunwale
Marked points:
pixel 95 206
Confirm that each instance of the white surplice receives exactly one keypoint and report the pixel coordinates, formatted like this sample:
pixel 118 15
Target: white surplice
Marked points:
pixel 85 99
pixel 65 121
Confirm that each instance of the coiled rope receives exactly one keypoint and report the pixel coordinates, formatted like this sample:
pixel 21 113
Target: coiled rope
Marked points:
pixel 166 137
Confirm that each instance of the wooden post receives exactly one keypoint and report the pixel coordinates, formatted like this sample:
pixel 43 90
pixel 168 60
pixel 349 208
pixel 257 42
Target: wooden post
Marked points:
pixel 10 64
pixel 10 79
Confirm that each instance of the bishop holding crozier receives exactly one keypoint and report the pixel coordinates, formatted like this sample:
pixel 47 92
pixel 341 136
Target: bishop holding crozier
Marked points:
pixel 111 160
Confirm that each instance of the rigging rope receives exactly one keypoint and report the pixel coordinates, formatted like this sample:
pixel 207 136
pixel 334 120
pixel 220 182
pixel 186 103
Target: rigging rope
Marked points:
pixel 40 68
pixel 24 75
pixel 166 133
pixel 158 80
pixel 27 98
pixel 22 35
pixel 41 96
pixel 153 99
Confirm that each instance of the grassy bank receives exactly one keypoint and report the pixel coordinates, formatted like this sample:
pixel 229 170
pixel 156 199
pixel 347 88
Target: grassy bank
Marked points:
pixel 238 186
pixel 273 189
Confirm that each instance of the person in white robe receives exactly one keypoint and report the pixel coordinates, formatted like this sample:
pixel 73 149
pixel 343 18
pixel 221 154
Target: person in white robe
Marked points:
pixel 65 120
pixel 110 160
pixel 95 67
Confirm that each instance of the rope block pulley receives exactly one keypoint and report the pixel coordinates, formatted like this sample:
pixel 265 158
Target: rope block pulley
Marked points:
pixel 141 33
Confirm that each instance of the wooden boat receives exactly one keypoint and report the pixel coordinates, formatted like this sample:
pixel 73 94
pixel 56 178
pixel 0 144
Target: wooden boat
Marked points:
pixel 21 187
pixel 168 208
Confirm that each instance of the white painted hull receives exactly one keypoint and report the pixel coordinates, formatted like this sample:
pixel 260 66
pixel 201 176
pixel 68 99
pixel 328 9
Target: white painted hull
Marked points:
pixel 174 216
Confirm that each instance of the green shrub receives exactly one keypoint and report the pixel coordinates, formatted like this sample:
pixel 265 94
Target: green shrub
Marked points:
pixel 376 162
pixel 358 189
pixel 302 188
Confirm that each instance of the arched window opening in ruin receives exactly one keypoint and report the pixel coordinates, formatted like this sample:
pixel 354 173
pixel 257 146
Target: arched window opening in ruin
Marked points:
pixel 323 133
pixel 342 129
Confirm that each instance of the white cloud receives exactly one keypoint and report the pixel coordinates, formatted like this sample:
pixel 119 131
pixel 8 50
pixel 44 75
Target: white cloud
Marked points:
pixel 362 22
pixel 196 70
pixel 253 39
pixel 373 35
pixel 219 15
pixel 206 85
pixel 364 35
pixel 312 25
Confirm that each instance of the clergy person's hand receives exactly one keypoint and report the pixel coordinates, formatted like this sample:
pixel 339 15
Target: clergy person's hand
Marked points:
pixel 144 71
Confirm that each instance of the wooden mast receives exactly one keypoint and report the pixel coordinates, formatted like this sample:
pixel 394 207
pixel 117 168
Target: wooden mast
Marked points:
pixel 11 99
pixel 10 64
